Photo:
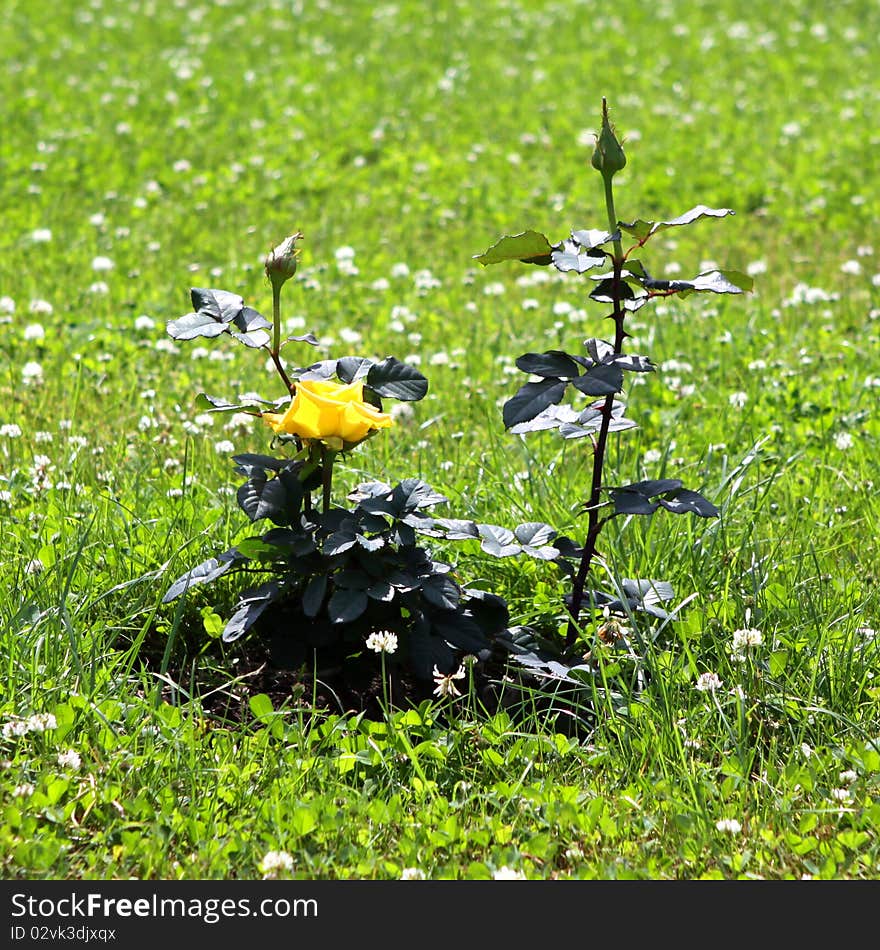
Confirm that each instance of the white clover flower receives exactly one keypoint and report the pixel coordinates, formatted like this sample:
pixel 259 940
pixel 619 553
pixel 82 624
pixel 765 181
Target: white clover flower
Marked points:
pixel 10 430
pixel 851 267
pixel 69 759
pixel 738 399
pixel 708 682
pixel 400 269
pixel 382 641
pixel 729 826
pixel 840 794
pixel 744 640
pixel 99 287
pixel 445 685
pixel 41 236
pixel 273 862
pixel 40 306
pixel 224 447
pixel 36 566
pixel 850 775
pixel 7 305
pixel 505 873
pixel 101 263
pixel 412 874
pixel 14 728
pixel 40 722
pixel 25 790
pixel 34 331
pixel 144 322
pixel 32 372
pixel 843 441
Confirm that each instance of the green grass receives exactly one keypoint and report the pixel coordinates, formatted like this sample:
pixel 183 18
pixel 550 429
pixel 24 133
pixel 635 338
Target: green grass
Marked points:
pixel 182 143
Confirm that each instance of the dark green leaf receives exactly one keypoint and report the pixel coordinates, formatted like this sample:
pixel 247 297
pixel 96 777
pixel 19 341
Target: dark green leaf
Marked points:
pixel 655 486
pixel 569 256
pixel 370 544
pixel 349 369
pixel 346 605
pixel 193 325
pixel 217 404
pixel 441 591
pixel 604 291
pixel 250 463
pixel 642 230
pixel 489 610
pixel 635 364
pixel 396 380
pixel 685 500
pixel 603 379
pixel 532 399
pixel 260 497
pixel 531 247
pixel 456 529
pixel 413 493
pixel 339 542
pixel 593 238
pixel 632 503
pixel 204 573
pixel 218 304
pixel 309 338
pixel 247 320
pixel 554 363
pixel 535 533
pixel 255 339
pixel 382 591
pixel 551 418
pixel 460 630
pixel 251 606
pixel 498 541
pixel 313 595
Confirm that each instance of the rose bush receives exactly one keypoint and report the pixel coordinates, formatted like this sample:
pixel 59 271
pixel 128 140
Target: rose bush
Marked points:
pixel 330 412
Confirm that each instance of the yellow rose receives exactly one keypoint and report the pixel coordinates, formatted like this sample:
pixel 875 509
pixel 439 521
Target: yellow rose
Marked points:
pixel 330 412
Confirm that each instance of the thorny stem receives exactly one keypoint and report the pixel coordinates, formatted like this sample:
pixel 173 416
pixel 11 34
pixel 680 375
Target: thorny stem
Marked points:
pixel 594 522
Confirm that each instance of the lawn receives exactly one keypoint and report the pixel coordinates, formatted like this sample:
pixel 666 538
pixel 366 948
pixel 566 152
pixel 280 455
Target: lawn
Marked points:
pixel 153 148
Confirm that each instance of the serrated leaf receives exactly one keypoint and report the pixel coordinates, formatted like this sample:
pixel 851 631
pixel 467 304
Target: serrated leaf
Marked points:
pixel 349 369
pixel 381 591
pixel 254 339
pixel 313 595
pixel 247 320
pixel 685 500
pixel 647 591
pixel 498 541
pixel 441 591
pixel 604 291
pixel 632 503
pixel 550 363
pixel 531 400
pixel 250 463
pixel 322 370
pixel 551 418
pixel 412 494
pixel 260 497
pixel 723 282
pixel 193 325
pixel 397 380
pixel 456 529
pixel 593 237
pixel 534 533
pixel 339 542
pixel 654 486
pixel 530 247
pixel 642 230
pixel 569 256
pixel 634 364
pixel 459 629
pixel 370 544
pixel 251 606
pixel 346 605
pixel 221 305
pixel 604 379
pixel 309 338
pixel 204 573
